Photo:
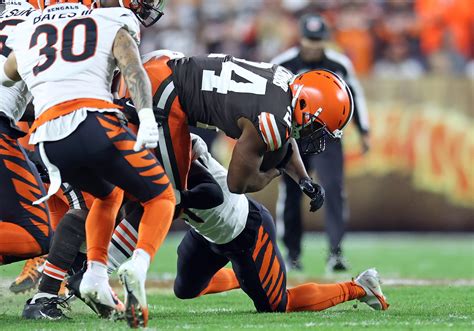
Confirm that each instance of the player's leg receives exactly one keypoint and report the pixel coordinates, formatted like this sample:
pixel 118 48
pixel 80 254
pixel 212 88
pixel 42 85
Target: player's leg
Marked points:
pixel 330 169
pixel 125 236
pixel 257 262
pixel 24 228
pixel 289 210
pixel 140 175
pixel 72 155
pixel 67 240
pixel 33 268
pixel 197 264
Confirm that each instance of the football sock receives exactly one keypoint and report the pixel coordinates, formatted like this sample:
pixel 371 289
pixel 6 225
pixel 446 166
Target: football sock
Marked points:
pixel 316 297
pixel 78 264
pixel 224 280
pixel 68 238
pixel 100 225
pixel 123 243
pixel 156 221
pixel 57 210
pixel 16 243
pixel 141 260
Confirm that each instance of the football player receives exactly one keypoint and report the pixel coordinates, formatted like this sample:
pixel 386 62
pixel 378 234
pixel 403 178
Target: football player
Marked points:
pixel 229 227
pixel 260 104
pixel 67 56
pixel 24 229
pixel 242 231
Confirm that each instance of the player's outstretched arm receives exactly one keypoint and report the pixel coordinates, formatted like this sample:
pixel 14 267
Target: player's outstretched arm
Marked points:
pixel 8 71
pixel 244 174
pixel 126 54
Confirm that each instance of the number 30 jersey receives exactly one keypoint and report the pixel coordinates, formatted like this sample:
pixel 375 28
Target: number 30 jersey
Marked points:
pixel 66 53
pixel 217 90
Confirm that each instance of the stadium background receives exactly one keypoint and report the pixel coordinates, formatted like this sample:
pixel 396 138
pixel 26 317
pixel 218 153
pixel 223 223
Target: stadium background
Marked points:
pixel 415 59
pixel 416 62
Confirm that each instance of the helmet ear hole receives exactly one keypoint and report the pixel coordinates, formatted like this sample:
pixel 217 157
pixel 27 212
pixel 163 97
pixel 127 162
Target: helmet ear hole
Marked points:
pixel 302 104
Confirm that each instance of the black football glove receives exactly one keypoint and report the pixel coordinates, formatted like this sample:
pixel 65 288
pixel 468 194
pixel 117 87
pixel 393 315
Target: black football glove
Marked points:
pixel 314 191
pixel 128 109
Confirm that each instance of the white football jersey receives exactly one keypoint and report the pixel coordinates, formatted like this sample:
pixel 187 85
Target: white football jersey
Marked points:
pixel 66 54
pixel 225 222
pixel 13 100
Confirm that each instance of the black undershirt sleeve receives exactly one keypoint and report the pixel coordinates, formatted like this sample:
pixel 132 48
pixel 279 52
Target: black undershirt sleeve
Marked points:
pixel 203 190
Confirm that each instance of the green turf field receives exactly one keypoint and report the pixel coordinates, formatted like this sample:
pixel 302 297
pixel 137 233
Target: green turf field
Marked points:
pixel 429 282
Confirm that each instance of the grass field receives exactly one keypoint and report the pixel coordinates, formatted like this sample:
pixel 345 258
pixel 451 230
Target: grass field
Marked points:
pixel 429 282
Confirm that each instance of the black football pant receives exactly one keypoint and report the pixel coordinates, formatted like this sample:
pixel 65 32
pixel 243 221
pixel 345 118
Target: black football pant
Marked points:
pixel 329 167
pixel 99 156
pixel 255 259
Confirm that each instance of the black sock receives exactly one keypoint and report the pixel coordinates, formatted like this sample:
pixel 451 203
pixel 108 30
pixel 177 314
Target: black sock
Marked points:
pixel 67 240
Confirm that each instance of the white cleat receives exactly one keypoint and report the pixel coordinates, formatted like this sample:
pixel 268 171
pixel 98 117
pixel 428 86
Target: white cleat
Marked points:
pixel 370 282
pixel 98 295
pixel 133 277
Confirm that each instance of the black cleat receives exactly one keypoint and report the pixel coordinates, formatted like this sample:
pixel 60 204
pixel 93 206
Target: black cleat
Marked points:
pixel 104 311
pixel 336 263
pixel 294 264
pixel 45 309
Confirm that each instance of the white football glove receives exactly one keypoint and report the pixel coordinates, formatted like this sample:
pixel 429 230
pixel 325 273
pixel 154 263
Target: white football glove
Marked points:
pixel 147 131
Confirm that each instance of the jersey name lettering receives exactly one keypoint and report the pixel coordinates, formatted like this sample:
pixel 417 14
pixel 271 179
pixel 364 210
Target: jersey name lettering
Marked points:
pixel 282 78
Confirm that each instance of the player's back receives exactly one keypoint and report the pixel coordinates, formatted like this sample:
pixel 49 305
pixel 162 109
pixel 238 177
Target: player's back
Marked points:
pixel 13 100
pixel 66 53
pixel 219 89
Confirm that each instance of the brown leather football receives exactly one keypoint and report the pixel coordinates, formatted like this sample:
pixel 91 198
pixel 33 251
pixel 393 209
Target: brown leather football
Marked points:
pixel 272 159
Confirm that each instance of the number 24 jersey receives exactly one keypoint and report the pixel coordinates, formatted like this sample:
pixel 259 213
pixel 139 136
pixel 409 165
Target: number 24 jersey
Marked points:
pixel 218 89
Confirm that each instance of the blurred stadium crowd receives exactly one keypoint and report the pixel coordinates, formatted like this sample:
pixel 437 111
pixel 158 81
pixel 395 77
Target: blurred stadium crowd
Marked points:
pixel 387 38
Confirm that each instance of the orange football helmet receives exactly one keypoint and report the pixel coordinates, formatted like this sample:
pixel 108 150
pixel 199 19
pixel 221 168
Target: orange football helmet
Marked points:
pixel 322 105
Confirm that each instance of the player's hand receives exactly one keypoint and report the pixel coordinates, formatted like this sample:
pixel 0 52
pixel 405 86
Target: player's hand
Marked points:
pixel 147 131
pixel 314 191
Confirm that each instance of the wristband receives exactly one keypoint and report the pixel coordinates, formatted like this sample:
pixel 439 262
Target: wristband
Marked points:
pixel 146 115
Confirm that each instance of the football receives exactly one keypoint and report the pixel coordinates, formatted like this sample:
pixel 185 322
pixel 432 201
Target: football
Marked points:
pixel 272 159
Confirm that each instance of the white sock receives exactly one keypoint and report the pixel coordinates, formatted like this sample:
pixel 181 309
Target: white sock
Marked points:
pixel 142 259
pixel 97 269
pixel 40 295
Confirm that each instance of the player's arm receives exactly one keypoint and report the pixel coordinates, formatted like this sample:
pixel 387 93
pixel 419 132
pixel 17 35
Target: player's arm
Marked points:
pixel 295 167
pixel 9 71
pixel 297 171
pixel 125 51
pixel 244 169
pixel 203 191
